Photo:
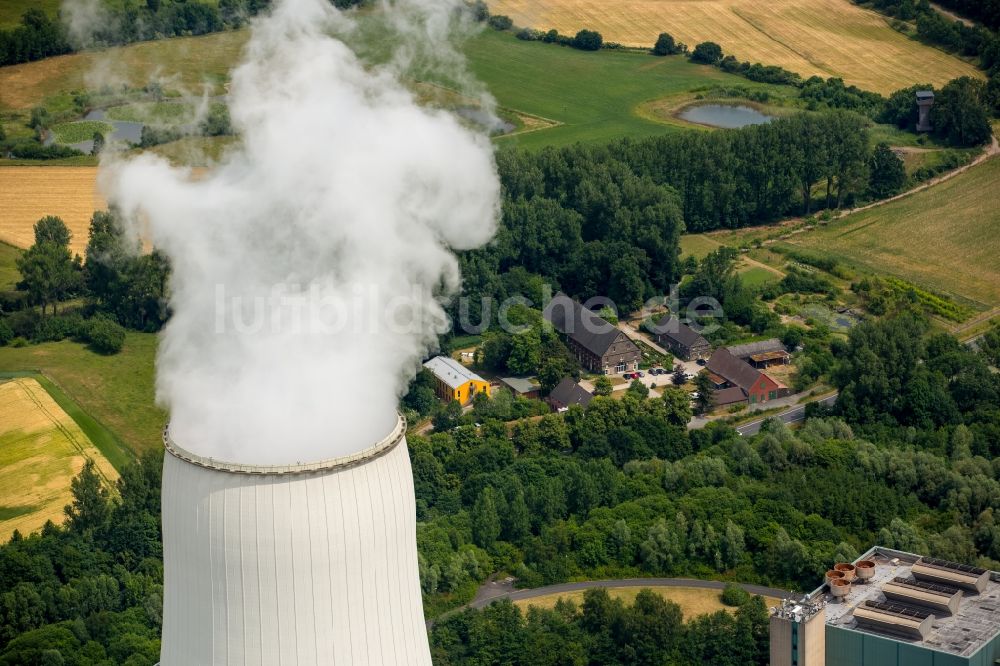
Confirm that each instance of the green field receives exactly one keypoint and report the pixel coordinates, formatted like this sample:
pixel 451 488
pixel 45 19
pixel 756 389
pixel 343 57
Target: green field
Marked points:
pixel 115 390
pixel 593 95
pixel 945 239
pixel 12 10
pixel 9 275
pixel 589 96
pixel 81 131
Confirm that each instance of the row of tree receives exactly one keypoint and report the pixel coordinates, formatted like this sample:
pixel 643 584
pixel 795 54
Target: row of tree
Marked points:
pixel 120 285
pixel 649 632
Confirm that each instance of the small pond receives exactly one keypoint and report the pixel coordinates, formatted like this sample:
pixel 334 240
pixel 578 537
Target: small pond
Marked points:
pixel 726 116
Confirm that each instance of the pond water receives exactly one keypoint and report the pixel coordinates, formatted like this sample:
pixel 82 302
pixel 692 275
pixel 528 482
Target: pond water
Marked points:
pixel 726 116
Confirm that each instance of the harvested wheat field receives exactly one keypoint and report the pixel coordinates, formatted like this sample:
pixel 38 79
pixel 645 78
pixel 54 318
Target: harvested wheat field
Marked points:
pixel 30 193
pixel 41 450
pixel 824 37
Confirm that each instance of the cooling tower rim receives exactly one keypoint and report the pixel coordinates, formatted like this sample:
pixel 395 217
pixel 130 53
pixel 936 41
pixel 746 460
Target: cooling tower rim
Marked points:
pixel 343 462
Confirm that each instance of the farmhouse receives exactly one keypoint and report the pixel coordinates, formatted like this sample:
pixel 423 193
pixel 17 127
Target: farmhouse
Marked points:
pixel 454 381
pixel 761 354
pixel 682 340
pixel 568 393
pixel 598 345
pixel 755 385
pixel 526 387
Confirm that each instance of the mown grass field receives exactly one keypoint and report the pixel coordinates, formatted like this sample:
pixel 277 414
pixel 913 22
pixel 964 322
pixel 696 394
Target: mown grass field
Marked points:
pixel 824 37
pixel 945 239
pixel 29 193
pixel 41 449
pixel 115 391
pixel 594 96
pixel 693 601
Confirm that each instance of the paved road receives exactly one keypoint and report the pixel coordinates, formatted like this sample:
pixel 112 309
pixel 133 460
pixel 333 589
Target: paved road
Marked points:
pixel 497 591
pixel 793 415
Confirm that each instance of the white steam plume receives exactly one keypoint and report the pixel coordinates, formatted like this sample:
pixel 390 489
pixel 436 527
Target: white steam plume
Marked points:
pixel 344 192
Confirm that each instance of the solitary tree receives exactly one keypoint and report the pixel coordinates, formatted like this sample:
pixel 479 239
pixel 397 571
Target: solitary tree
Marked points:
pixel 602 386
pixel 665 45
pixel 588 40
pixel 90 508
pixel 888 175
pixel 98 144
pixel 706 392
pixel 53 230
pixel 679 377
pixel 638 390
pixel 48 269
pixel 708 53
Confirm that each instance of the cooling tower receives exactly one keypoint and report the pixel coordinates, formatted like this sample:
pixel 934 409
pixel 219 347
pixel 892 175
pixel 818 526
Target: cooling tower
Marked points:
pixel 296 565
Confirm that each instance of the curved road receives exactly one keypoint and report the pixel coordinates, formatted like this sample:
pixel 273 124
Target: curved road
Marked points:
pixel 495 592
pixel 792 415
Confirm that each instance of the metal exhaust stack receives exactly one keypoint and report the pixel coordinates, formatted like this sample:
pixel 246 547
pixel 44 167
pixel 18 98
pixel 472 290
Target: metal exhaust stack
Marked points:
pixel 311 565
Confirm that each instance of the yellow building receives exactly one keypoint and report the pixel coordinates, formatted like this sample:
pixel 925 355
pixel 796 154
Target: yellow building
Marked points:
pixel 455 381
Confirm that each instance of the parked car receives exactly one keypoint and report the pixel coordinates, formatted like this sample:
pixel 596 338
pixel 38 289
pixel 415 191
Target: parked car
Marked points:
pixel 701 361
pixel 640 374
pixel 627 375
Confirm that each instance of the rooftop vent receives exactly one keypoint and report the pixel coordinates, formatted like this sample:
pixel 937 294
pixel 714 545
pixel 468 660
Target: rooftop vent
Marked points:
pixel 895 619
pixel 940 599
pixel 943 572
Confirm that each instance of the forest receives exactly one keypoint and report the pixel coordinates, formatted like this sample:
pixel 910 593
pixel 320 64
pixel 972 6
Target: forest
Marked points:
pixel 907 459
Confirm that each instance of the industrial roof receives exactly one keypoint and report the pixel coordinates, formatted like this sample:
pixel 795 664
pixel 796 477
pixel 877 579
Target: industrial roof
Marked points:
pixel 672 327
pixel 451 372
pixel 963 633
pixel 583 326
pixel 521 385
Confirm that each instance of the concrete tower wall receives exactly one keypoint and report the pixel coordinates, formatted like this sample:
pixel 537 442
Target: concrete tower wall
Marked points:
pixel 311 565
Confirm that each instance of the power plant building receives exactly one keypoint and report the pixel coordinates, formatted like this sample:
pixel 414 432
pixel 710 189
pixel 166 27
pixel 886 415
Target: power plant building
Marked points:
pixel 306 564
pixel 891 608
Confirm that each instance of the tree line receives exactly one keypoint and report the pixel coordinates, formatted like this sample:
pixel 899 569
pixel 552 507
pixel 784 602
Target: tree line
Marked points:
pixel 119 284
pixel 648 632
pixel 40 37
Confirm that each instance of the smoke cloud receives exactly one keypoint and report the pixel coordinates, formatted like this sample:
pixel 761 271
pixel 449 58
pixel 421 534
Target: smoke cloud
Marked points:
pixel 310 264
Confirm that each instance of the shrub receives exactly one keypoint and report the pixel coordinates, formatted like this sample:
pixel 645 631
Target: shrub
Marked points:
pixel 529 34
pixel 56 328
pixel 106 336
pixel 588 40
pixel 708 53
pixel 734 595
pixel 6 333
pixel 551 36
pixel 500 22
pixel 24 323
pixel 19 342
